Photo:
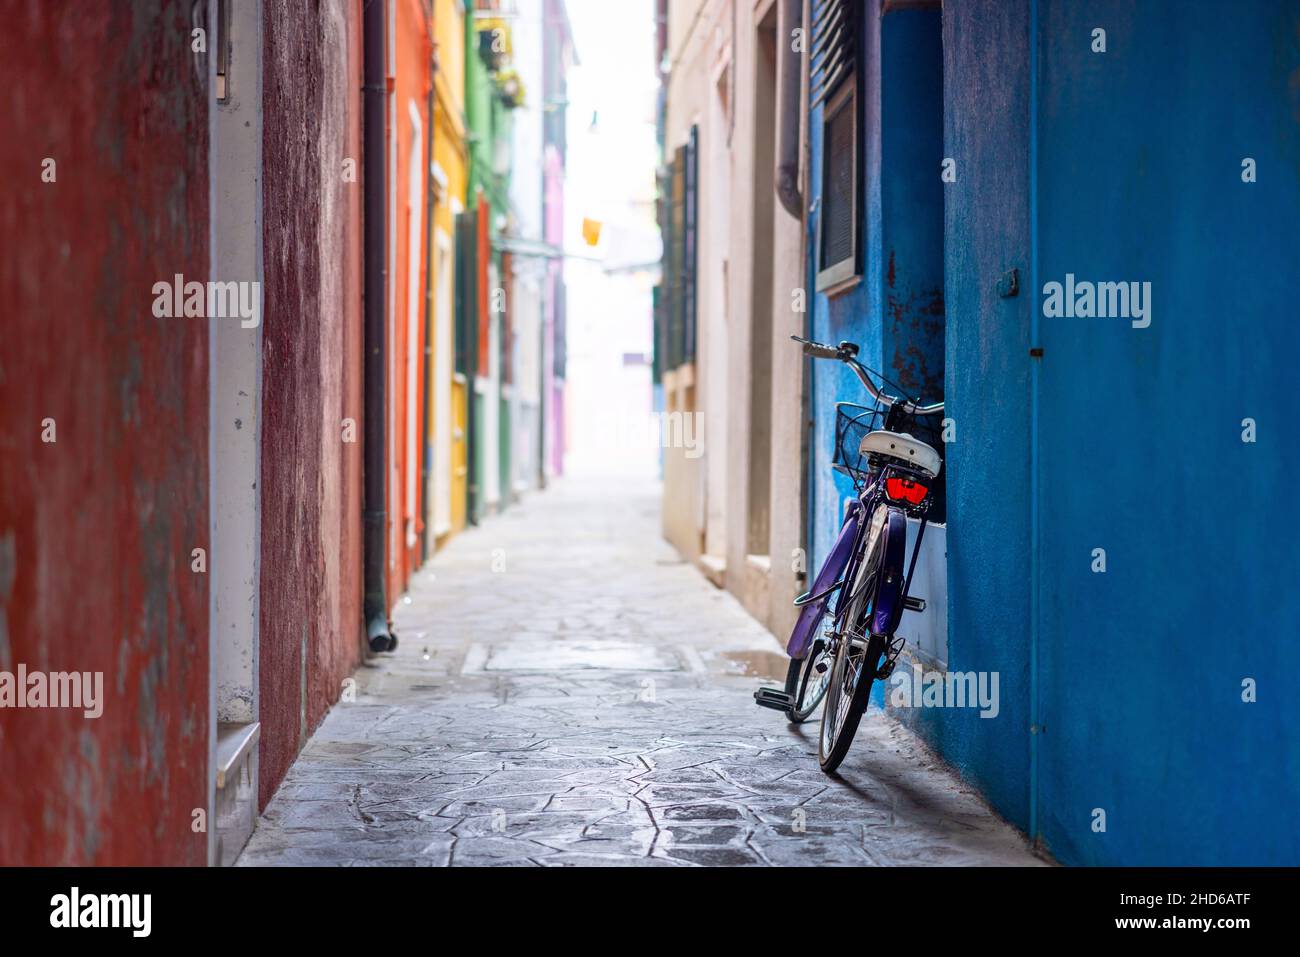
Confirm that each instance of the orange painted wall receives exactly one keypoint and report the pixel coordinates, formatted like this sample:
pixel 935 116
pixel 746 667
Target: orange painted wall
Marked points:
pixel 410 84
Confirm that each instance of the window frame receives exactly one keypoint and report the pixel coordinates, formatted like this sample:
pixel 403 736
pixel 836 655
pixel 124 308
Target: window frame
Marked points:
pixel 845 273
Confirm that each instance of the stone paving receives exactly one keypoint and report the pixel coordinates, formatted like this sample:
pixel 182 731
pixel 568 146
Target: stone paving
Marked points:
pixel 567 691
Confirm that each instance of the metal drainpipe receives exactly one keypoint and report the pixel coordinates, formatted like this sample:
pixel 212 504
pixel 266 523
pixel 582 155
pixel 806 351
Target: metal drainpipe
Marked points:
pixel 375 92
pixel 803 145
pixel 789 15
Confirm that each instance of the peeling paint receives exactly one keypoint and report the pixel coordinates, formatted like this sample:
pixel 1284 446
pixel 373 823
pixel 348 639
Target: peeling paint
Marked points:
pixel 97 527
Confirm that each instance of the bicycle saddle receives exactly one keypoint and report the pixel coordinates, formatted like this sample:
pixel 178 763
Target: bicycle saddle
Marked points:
pixel 901 446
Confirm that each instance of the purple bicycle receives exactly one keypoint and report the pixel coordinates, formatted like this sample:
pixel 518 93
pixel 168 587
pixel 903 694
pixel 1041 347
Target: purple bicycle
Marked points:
pixel 837 650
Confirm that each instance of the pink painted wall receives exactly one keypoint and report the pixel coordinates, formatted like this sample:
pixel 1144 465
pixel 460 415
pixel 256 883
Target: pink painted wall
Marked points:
pixel 553 225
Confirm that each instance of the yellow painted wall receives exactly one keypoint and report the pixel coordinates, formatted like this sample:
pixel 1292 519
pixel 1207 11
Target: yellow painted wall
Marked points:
pixel 449 153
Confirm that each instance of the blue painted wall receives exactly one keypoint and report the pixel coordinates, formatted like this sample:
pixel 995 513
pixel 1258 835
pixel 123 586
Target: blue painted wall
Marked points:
pixel 1141 452
pixel 1120 691
pixel 853 315
pixel 988 373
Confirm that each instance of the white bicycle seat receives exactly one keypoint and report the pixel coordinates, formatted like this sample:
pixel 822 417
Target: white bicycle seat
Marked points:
pixel 901 446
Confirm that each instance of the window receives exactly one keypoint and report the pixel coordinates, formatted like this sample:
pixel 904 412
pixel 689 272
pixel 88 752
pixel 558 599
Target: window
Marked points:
pixel 678 207
pixel 834 86
pixel 838 242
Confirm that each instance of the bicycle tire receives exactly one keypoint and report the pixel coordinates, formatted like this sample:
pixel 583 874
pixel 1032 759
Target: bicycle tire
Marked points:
pixel 797 676
pixel 831 759
pixel 858 611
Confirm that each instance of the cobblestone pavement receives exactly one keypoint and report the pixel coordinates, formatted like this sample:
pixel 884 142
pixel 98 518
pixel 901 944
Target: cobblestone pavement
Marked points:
pixel 568 691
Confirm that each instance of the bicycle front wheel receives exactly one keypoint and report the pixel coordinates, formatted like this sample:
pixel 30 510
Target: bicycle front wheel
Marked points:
pixel 857 656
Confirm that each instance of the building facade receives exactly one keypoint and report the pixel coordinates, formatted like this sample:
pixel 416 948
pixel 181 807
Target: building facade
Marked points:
pixel 729 302
pixel 253 375
pixel 221 430
pixel 446 438
pixel 964 166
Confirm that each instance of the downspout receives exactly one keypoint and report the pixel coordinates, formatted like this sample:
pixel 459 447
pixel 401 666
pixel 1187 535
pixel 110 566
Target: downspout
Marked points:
pixel 803 146
pixel 375 606
pixel 789 15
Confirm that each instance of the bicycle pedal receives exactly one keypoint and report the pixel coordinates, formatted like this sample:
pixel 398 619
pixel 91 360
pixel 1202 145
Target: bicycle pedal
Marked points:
pixel 914 604
pixel 774 699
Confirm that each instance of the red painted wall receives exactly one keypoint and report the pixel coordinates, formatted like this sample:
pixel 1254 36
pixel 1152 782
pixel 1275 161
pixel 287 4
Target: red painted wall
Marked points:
pixel 311 575
pixel 96 528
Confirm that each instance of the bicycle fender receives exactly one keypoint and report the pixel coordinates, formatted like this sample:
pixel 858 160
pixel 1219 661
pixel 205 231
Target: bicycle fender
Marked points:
pixel 810 615
pixel 887 609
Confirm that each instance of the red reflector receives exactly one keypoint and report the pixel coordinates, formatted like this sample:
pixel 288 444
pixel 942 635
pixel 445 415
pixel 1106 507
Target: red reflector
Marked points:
pixel 905 490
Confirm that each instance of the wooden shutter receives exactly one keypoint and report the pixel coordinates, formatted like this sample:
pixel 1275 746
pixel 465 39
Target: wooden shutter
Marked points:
pixel 466 291
pixel 690 248
pixel 834 46
pixel 677 262
pixel 834 87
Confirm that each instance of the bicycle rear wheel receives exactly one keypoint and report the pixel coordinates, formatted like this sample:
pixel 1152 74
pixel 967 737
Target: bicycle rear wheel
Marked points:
pixel 805 685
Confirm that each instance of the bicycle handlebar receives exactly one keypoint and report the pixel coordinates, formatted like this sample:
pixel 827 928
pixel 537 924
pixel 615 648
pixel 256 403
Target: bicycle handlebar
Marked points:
pixel 819 351
pixel 847 352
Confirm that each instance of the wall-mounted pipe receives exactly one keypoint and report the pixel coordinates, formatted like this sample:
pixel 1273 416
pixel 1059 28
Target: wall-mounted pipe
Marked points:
pixel 789 106
pixel 375 90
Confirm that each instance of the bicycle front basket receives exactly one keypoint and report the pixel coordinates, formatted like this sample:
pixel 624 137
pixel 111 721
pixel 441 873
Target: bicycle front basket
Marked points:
pixel 852 422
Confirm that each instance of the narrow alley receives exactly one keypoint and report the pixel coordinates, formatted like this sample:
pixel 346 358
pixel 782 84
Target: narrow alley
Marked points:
pixel 567 691
pixel 690 433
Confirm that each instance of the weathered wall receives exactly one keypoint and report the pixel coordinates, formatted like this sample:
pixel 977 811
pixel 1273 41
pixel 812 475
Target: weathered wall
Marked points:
pixel 1140 669
pixel 96 528
pixel 408 143
pixel 852 314
pixel 746 242
pixel 445 430
pixel 749 239
pixel 1121 691
pixel 988 394
pixel 693 485
pixel 486 193
pixel 311 579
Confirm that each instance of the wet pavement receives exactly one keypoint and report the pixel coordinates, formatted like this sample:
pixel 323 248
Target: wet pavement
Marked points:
pixel 567 691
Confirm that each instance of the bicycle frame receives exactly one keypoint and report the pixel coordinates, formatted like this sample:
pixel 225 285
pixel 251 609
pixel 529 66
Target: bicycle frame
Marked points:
pixel 841 566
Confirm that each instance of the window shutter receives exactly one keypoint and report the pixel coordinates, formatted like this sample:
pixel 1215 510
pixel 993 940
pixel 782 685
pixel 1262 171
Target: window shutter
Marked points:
pixel 677 314
pixel 838 189
pixel 466 291
pixel 834 37
pixel 834 86
pixel 690 249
